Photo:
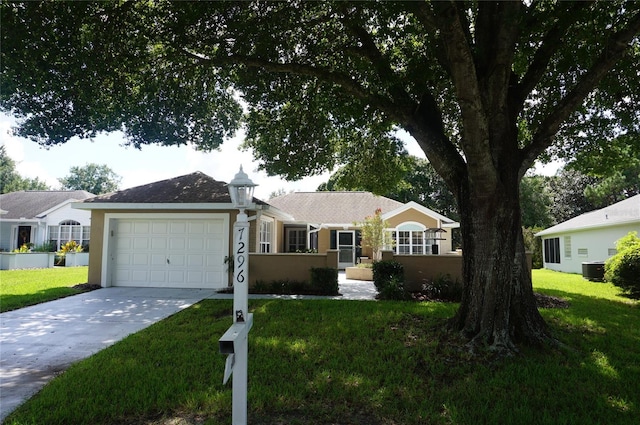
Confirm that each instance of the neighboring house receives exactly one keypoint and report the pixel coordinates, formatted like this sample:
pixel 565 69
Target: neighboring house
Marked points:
pixel 589 237
pixel 177 232
pixel 38 217
pixel 326 220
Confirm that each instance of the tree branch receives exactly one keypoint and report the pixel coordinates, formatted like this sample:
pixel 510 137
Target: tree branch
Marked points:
pixel 616 47
pixel 382 66
pixel 427 127
pixel 550 44
pixel 426 17
pixel 349 84
pixel 475 139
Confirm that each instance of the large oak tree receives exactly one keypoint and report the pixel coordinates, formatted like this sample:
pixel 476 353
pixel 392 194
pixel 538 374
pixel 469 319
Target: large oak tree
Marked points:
pixel 485 88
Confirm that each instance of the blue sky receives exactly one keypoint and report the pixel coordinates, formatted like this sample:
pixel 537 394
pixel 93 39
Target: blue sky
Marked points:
pixel 153 163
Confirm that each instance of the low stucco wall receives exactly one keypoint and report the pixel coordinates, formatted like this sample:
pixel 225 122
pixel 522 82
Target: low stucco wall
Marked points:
pixel 26 260
pixel 295 267
pixel 418 268
pixel 359 273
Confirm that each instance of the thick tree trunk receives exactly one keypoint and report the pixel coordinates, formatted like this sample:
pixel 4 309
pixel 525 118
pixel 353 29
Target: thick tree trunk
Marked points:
pixel 498 308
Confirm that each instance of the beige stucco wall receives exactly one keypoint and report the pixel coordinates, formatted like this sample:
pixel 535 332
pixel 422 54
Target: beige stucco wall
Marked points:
pixel 421 268
pixel 288 266
pixel 95 247
pixel 324 240
pixel 412 215
pixel 280 241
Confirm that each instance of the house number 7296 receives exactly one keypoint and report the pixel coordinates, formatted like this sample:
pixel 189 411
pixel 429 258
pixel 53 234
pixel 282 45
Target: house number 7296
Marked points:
pixel 240 257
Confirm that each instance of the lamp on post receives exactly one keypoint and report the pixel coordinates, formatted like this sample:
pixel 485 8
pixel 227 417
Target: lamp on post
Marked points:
pixel 234 342
pixel 241 190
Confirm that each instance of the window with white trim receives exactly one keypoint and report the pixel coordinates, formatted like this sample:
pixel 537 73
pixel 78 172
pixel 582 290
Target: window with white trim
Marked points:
pixel 69 230
pixel 409 239
pixel 266 233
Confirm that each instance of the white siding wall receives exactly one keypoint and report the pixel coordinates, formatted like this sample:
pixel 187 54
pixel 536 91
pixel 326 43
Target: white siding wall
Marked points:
pixel 596 242
pixel 5 236
pixel 67 213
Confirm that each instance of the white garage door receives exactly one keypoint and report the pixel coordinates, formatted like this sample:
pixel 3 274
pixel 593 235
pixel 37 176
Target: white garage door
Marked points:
pixel 169 253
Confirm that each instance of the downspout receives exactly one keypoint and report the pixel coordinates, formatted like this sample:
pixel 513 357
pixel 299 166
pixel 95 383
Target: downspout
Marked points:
pixel 310 231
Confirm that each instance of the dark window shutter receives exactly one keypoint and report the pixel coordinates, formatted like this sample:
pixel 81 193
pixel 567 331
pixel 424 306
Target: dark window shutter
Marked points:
pixel 333 243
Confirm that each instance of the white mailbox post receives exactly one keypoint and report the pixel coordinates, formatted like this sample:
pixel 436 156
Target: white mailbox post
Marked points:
pixel 234 342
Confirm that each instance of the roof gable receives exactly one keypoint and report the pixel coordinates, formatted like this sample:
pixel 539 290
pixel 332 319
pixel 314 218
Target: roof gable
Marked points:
pixel 188 189
pixel 32 204
pixel 626 211
pixel 422 209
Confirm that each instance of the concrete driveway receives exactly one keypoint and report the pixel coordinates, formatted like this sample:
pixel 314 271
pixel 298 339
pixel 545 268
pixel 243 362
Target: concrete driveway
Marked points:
pixel 39 342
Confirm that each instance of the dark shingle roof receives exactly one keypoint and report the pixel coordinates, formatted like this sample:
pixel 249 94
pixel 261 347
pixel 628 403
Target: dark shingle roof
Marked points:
pixel 333 207
pixel 30 204
pixel 191 188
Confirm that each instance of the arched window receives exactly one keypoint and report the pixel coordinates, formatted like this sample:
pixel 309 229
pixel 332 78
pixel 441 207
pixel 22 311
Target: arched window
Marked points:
pixel 69 230
pixel 409 239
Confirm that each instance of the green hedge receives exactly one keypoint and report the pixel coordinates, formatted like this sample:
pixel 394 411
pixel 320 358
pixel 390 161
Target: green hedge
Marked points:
pixel 388 277
pixel 623 269
pixel 324 280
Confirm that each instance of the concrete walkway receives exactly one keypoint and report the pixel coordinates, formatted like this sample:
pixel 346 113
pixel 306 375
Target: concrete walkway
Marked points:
pixel 39 342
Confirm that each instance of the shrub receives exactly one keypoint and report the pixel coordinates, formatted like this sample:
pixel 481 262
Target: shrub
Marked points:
pixel 623 269
pixel 443 288
pixel 71 246
pixel 24 248
pixel 324 280
pixel 279 287
pixel 388 277
pixel 383 271
pixel 393 289
pixel 533 244
pixel 45 247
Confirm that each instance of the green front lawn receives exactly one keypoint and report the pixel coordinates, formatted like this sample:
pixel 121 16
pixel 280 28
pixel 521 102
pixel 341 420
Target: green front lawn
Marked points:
pixel 355 362
pixel 21 288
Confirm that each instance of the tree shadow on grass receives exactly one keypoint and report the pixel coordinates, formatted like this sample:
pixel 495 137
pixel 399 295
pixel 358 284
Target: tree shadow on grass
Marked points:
pixel 402 370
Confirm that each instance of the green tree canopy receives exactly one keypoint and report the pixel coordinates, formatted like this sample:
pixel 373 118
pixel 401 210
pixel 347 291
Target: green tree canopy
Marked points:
pixel 11 181
pixel 93 178
pixel 485 88
pixel 568 188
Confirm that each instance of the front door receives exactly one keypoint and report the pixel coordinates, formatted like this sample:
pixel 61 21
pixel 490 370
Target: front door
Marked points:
pixel 24 236
pixel 346 248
